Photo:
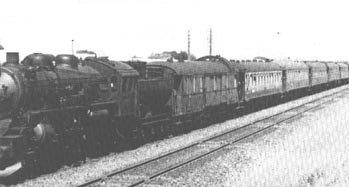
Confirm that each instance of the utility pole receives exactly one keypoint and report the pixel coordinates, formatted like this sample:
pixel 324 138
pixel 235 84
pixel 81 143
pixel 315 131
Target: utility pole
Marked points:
pixel 1 48
pixel 210 41
pixel 189 45
pixel 72 47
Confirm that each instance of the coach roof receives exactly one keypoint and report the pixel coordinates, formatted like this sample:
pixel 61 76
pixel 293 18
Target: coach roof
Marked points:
pixel 292 65
pixel 332 65
pixel 193 67
pixel 257 66
pixel 342 65
pixel 316 65
pixel 122 68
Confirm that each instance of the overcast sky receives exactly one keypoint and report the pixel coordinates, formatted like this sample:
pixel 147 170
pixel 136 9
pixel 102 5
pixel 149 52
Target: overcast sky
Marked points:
pixel 314 29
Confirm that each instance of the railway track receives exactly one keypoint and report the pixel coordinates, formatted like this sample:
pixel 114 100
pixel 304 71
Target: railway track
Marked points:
pixel 150 170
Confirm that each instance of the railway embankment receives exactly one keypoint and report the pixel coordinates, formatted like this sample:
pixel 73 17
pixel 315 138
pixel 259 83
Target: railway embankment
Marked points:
pixel 310 151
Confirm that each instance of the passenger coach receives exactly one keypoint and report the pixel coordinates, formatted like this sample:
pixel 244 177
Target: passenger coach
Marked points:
pixel 199 85
pixel 259 79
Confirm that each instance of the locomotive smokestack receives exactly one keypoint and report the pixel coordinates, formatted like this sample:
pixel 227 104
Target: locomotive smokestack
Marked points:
pixel 12 57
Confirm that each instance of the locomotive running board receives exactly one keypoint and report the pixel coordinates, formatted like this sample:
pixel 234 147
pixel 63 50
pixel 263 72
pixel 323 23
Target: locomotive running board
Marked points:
pixel 155 122
pixel 10 170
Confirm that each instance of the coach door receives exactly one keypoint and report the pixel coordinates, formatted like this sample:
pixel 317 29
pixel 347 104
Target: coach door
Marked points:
pixel 241 86
pixel 128 91
pixel 284 80
pixel 310 76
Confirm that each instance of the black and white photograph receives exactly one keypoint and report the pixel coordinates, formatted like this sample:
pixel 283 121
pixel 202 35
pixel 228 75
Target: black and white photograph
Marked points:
pixel 164 93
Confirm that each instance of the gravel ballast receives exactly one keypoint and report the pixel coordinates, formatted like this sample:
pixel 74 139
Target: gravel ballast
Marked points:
pixel 253 164
pixel 312 151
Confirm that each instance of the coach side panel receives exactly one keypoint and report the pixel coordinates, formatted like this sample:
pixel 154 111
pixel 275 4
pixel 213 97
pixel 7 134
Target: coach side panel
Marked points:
pixel 259 84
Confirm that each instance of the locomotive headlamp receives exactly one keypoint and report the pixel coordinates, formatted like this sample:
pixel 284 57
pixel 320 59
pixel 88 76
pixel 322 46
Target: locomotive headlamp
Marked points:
pixel 42 132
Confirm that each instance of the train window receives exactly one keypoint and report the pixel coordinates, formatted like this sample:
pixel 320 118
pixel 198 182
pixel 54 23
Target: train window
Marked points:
pixel 276 77
pixel 223 82
pixel 267 78
pixel 131 84
pixel 193 84
pixel 247 80
pixel 208 83
pixel 201 79
pixel 263 79
pixel 254 82
pixel 258 80
pixel 190 85
pixel 214 82
pixel 196 84
pixel 124 84
pixel 272 78
pixel 219 82
pixel 186 85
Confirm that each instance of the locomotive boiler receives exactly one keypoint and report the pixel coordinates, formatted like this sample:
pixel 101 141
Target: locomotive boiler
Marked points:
pixel 53 106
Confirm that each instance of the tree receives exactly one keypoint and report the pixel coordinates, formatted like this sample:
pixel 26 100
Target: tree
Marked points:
pixel 181 56
pixel 170 55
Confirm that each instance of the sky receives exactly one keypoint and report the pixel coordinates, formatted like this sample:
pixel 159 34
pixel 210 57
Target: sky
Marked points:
pixel 120 29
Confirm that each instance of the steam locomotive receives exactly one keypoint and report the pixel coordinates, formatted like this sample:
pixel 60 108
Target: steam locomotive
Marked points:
pixel 56 109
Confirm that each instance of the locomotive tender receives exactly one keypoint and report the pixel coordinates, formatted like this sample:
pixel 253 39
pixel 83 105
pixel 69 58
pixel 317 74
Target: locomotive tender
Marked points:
pixel 53 106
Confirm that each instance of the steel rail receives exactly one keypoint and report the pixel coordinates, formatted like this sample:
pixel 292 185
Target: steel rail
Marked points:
pixel 215 136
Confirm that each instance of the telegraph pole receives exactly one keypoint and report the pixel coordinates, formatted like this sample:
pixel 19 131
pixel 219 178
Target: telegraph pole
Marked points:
pixel 189 45
pixel 1 48
pixel 210 40
pixel 72 47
